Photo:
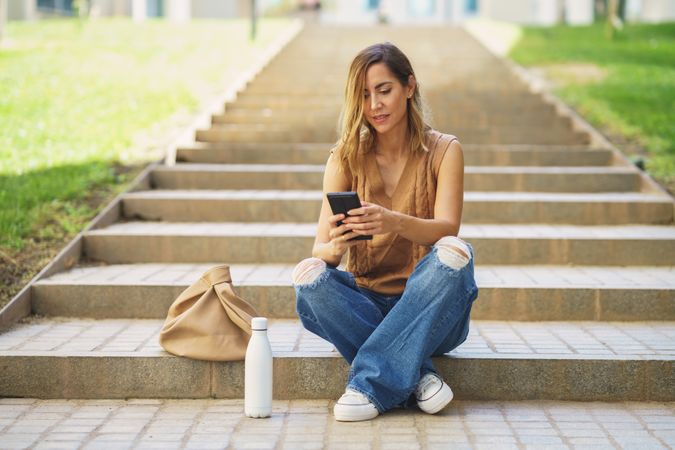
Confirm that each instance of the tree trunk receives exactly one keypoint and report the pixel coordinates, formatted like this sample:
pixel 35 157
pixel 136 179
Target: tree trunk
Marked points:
pixel 254 20
pixel 81 8
pixel 613 21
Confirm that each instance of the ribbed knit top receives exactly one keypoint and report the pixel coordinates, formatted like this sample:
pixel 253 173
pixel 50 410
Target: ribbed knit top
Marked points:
pixel 384 263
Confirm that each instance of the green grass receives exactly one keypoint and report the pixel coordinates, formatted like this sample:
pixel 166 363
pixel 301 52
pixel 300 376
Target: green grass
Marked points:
pixel 636 99
pixel 75 96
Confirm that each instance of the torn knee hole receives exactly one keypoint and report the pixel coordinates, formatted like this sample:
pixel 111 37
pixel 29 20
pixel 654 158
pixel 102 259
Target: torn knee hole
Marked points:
pixel 308 270
pixel 453 252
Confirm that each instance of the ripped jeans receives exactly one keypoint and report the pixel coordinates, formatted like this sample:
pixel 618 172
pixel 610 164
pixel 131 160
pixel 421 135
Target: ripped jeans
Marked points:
pixel 389 340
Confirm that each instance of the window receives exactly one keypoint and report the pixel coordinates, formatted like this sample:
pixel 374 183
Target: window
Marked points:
pixel 471 6
pixel 155 8
pixel 61 6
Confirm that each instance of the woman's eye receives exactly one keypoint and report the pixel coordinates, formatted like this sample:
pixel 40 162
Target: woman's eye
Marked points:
pixel 381 92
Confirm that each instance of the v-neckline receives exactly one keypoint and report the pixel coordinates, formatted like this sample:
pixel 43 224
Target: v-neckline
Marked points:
pixel 379 186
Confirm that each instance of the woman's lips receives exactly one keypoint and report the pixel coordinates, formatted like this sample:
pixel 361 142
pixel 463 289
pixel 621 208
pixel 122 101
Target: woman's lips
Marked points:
pixel 381 118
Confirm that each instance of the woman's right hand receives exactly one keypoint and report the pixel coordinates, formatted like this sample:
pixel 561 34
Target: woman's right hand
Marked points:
pixel 339 235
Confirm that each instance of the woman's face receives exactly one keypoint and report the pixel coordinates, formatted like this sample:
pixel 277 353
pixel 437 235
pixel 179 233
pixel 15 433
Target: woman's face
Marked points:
pixel 385 99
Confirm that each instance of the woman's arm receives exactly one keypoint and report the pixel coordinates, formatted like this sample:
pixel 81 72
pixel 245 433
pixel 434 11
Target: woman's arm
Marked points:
pixel 448 206
pixel 334 180
pixel 447 209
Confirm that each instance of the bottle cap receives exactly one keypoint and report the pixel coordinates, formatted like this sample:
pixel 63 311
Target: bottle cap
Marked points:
pixel 259 323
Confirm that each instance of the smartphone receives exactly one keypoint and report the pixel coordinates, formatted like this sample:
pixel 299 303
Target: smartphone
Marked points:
pixel 341 202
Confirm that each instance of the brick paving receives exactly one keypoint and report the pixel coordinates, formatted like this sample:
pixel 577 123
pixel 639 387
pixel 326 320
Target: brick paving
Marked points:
pixel 309 424
pixel 487 339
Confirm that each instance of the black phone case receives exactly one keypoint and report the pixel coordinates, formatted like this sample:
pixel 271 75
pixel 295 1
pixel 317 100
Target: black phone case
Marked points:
pixel 341 202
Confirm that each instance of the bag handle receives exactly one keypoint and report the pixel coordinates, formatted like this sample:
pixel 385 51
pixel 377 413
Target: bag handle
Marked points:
pixel 238 310
pixel 218 274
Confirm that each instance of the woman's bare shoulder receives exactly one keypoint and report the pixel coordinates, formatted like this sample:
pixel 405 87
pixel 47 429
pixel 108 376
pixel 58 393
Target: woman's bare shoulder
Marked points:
pixel 439 142
pixel 439 145
pixel 337 171
pixel 443 139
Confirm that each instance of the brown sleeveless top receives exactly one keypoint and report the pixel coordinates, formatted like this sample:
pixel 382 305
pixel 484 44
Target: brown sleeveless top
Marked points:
pixel 384 263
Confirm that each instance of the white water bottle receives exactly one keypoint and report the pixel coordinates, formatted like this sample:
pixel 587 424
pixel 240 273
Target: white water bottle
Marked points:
pixel 258 371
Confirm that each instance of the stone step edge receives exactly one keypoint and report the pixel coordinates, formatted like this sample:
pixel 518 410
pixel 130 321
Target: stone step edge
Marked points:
pixel 325 146
pixel 154 376
pixel 308 230
pixel 186 167
pixel 151 300
pixel 315 195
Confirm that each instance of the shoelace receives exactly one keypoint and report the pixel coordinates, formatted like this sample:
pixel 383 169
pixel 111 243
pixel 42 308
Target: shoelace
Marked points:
pixel 356 394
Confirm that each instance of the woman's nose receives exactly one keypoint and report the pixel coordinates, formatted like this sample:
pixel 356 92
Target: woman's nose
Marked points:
pixel 374 102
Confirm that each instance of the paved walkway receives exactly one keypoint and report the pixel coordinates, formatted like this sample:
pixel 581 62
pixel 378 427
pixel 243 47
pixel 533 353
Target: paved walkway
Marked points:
pixel 308 424
pixel 487 339
pixel 280 274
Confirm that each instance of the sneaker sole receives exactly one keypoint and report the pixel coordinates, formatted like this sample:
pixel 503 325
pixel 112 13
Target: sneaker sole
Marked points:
pixel 438 401
pixel 354 414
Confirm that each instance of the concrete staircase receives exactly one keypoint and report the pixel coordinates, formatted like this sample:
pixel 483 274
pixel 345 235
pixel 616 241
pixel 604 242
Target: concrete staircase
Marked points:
pixel 575 250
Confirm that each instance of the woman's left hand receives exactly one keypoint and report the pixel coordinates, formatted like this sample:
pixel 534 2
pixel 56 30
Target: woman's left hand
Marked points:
pixel 372 219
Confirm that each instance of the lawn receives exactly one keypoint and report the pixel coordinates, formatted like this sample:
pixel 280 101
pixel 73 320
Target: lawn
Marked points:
pixel 625 86
pixel 81 104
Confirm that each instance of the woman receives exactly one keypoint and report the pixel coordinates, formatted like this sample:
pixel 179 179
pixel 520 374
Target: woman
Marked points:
pixel 407 293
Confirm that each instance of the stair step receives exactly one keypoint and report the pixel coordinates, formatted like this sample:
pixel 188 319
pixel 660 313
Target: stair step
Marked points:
pixel 476 178
pixel 474 155
pixel 66 358
pixel 479 207
pixel 490 100
pixel 334 86
pixel 318 107
pixel 522 293
pixel 280 133
pixel 135 242
pixel 324 116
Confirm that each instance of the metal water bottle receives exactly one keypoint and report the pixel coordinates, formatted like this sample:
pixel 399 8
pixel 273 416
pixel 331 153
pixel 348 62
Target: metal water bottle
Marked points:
pixel 258 371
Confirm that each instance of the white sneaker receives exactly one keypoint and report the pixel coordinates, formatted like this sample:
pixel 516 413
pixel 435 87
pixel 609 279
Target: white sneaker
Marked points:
pixel 354 406
pixel 432 393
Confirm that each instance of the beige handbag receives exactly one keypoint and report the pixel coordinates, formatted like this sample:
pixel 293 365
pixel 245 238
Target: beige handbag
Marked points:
pixel 208 320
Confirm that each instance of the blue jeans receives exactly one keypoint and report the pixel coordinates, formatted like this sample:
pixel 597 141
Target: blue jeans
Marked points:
pixel 389 340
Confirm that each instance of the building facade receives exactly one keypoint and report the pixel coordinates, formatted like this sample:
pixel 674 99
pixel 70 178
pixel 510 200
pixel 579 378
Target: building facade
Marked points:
pixel 529 12
pixel 532 12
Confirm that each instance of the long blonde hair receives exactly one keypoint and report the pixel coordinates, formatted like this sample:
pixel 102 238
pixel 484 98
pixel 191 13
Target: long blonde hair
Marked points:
pixel 353 128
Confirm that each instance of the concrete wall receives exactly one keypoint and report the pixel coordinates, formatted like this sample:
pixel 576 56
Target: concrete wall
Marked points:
pixel 21 9
pixel 209 9
pixel 539 12
pixel 178 11
pixel 405 11
pixel 579 12
pixel 107 8
pixel 651 10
